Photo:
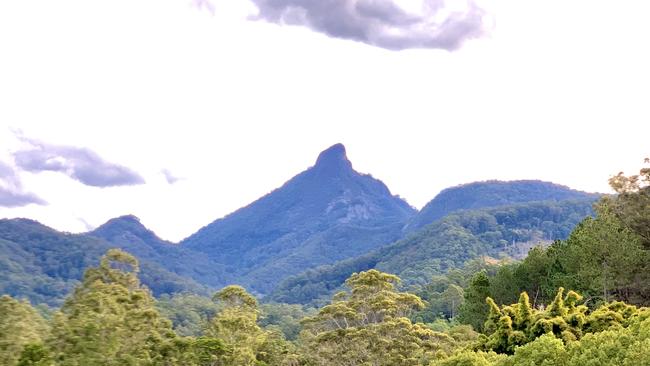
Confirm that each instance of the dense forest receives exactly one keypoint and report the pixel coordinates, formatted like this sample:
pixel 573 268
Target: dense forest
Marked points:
pixel 444 245
pixel 578 301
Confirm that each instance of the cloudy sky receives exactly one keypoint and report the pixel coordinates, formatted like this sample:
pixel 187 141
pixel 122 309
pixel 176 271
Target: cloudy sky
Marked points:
pixel 182 111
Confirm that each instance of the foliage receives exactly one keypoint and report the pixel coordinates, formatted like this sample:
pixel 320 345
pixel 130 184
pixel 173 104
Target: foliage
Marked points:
pixel 445 245
pixel 44 265
pixel 284 317
pixel 110 319
pixel 473 311
pixel 492 193
pixel 21 327
pixel 602 259
pixel 236 325
pixel 370 325
pixel 632 204
pixel 510 326
pixel 470 358
pixel 189 313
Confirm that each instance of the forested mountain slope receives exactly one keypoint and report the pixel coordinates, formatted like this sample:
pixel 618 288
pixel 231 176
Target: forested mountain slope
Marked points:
pixel 44 265
pixel 492 193
pixel 325 214
pixel 445 244
pixel 128 233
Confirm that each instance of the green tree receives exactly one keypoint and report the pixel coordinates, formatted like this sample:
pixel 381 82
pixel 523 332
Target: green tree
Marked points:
pixel 474 310
pixel 286 317
pixel 632 204
pixel 20 327
pixel 514 325
pixel 189 313
pixel 370 325
pixel 543 351
pixel 469 358
pixel 603 258
pixel 236 325
pixel 110 319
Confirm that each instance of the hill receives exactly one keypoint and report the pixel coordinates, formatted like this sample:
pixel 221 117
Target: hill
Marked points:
pixel 445 244
pixel 325 214
pixel 492 193
pixel 44 265
pixel 128 233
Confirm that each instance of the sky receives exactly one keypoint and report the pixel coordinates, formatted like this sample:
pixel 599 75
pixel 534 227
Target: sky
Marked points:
pixel 180 111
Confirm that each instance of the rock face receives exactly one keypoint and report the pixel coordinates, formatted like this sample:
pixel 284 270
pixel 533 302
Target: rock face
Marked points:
pixel 327 213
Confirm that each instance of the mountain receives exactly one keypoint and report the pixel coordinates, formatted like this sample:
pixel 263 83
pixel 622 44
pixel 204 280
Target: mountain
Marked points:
pixel 129 234
pixel 447 243
pixel 492 193
pixel 44 265
pixel 129 229
pixel 306 236
pixel 327 213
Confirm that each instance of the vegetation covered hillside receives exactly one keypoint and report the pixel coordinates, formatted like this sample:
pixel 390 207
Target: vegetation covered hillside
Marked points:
pixel 492 193
pixel 325 214
pixel 44 265
pixel 128 233
pixel 447 244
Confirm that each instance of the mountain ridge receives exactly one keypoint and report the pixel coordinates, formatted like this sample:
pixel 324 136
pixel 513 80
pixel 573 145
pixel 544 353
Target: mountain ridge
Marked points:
pixel 326 215
pixel 492 193
pixel 305 222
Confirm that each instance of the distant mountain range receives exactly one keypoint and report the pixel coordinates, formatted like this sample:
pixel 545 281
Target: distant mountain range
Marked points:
pixel 327 215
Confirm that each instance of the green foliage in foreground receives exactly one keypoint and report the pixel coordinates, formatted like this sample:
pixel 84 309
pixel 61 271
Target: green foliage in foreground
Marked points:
pixel 510 326
pixel 20 325
pixel 111 320
pixel 369 326
pixel 617 346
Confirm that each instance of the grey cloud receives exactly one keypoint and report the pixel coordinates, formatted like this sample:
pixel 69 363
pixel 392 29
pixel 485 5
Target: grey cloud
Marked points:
pixel 11 190
pixel 80 164
pixel 381 23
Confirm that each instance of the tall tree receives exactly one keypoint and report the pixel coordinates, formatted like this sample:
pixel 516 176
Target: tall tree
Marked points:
pixel 632 204
pixel 369 325
pixel 110 319
pixel 236 325
pixel 604 259
pixel 20 326
pixel 474 310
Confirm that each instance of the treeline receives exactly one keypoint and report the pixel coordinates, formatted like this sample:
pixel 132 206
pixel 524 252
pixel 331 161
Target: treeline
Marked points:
pixel 111 320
